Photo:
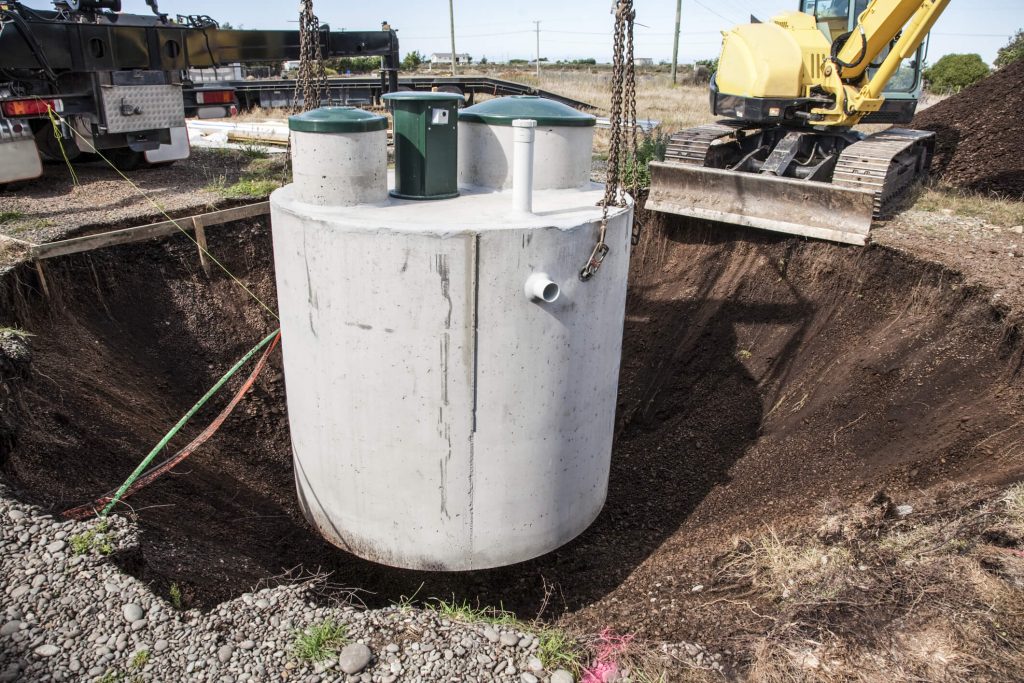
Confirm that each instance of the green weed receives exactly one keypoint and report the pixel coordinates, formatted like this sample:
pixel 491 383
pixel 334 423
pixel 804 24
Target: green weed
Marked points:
pixel 558 650
pixel 140 659
pixel 651 147
pixel 10 216
pixel 465 612
pixel 95 539
pixel 175 594
pixel 319 642
pixel 15 332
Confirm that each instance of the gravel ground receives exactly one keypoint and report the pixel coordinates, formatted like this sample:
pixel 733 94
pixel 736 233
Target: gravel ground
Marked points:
pixel 67 613
pixel 53 206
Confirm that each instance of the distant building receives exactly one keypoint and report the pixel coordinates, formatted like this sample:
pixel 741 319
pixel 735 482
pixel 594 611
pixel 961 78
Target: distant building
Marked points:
pixel 643 61
pixel 446 58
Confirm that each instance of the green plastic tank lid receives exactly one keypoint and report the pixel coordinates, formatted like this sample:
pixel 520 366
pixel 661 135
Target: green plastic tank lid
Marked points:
pixel 337 120
pixel 425 95
pixel 502 111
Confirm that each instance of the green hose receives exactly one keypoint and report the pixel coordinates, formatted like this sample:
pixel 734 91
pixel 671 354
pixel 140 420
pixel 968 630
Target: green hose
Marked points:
pixel 183 421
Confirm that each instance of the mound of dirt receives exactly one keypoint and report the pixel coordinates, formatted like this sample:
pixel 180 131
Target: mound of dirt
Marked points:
pixel 979 132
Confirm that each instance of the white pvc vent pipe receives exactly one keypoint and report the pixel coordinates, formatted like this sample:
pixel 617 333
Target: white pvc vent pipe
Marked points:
pixel 539 287
pixel 523 135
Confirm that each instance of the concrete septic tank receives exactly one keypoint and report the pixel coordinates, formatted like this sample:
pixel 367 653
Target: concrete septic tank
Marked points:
pixel 451 381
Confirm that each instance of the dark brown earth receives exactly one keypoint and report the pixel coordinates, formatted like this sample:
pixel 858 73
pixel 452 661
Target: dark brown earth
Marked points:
pixel 765 380
pixel 979 133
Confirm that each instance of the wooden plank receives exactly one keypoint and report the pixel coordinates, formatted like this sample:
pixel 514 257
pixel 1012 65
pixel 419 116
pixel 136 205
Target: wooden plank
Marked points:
pixel 42 279
pixel 78 245
pixel 22 243
pixel 197 225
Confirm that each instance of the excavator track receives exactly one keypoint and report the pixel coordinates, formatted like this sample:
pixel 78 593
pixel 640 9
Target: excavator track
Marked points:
pixel 870 179
pixel 887 163
pixel 691 146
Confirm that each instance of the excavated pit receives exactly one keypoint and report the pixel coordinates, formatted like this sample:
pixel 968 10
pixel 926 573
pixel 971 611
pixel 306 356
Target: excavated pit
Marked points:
pixel 764 379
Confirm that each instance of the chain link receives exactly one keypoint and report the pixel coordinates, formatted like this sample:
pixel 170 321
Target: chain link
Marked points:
pixel 623 110
pixel 311 82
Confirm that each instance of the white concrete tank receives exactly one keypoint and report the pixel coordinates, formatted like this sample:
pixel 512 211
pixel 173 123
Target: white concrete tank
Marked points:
pixel 339 156
pixel 563 148
pixel 451 380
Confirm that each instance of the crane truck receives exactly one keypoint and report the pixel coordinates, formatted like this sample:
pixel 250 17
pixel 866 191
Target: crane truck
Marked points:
pixel 84 77
pixel 785 155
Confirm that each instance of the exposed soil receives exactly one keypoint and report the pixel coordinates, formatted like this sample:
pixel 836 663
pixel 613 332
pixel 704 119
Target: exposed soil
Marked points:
pixel 765 379
pixel 978 134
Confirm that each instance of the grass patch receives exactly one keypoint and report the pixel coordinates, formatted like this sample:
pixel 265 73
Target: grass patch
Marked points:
pixel 319 642
pixel 139 659
pixel 261 177
pixel 465 612
pixel 10 216
pixel 95 540
pixel 943 199
pixel 559 650
pixel 174 592
pixel 801 569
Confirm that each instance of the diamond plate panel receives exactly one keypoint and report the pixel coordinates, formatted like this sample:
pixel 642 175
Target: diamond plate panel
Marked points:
pixel 128 108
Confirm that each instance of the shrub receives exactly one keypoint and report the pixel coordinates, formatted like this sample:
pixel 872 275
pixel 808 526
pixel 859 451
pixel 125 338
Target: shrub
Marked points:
pixel 412 60
pixel 1013 50
pixel 955 72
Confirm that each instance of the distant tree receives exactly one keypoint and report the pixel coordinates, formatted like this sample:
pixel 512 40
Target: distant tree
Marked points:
pixel 585 61
pixel 356 65
pixel 518 62
pixel 1013 51
pixel 412 60
pixel 710 64
pixel 483 60
pixel 955 72
pixel 226 24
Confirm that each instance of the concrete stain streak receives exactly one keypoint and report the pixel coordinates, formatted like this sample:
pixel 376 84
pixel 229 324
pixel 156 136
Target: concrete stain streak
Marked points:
pixel 311 299
pixel 362 326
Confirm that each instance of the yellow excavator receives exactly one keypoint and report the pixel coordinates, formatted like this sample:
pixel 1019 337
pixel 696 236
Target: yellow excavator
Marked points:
pixel 789 91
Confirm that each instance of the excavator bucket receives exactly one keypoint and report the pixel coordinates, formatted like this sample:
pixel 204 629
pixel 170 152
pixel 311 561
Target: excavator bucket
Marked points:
pixel 787 205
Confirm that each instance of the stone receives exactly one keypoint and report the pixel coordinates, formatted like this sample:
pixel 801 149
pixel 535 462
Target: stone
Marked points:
pixel 10 627
pixel 903 511
pixel 509 639
pixel 526 677
pixel 47 650
pixel 15 515
pixel 132 612
pixel 247 644
pixel 354 658
pixel 56 547
pixel 224 653
pixel 562 676
pixel 491 635
pixel 535 665
pixel 1018 229
pixel 160 645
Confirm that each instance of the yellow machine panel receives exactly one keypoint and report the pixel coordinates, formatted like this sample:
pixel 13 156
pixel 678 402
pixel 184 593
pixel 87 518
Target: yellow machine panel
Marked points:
pixel 778 59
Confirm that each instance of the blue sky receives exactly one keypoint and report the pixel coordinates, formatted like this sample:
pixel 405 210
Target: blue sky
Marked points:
pixel 580 28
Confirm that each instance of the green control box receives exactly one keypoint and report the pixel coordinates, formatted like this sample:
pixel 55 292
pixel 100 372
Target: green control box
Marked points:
pixel 426 144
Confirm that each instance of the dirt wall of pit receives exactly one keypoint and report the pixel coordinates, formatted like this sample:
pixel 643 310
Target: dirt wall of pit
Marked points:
pixel 763 379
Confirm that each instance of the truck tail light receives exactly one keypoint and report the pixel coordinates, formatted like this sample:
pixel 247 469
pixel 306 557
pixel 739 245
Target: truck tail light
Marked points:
pixel 31 107
pixel 215 96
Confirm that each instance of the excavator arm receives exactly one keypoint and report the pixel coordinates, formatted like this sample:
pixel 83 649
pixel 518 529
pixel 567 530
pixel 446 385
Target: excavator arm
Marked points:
pixel 902 24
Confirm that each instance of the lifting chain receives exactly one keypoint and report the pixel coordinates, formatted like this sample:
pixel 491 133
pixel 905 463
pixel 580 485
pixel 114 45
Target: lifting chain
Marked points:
pixel 311 83
pixel 623 112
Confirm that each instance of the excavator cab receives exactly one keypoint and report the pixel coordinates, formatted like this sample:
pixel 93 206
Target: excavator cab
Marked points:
pixel 839 17
pixel 784 155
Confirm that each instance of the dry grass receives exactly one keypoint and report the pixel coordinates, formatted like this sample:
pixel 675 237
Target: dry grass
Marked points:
pixel 939 198
pixel 868 597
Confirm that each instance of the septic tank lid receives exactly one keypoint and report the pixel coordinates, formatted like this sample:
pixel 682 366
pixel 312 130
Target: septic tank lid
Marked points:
pixel 337 120
pixel 504 110
pixel 424 95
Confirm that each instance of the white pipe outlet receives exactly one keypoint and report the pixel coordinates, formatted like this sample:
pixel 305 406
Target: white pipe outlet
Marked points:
pixel 539 287
pixel 523 135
